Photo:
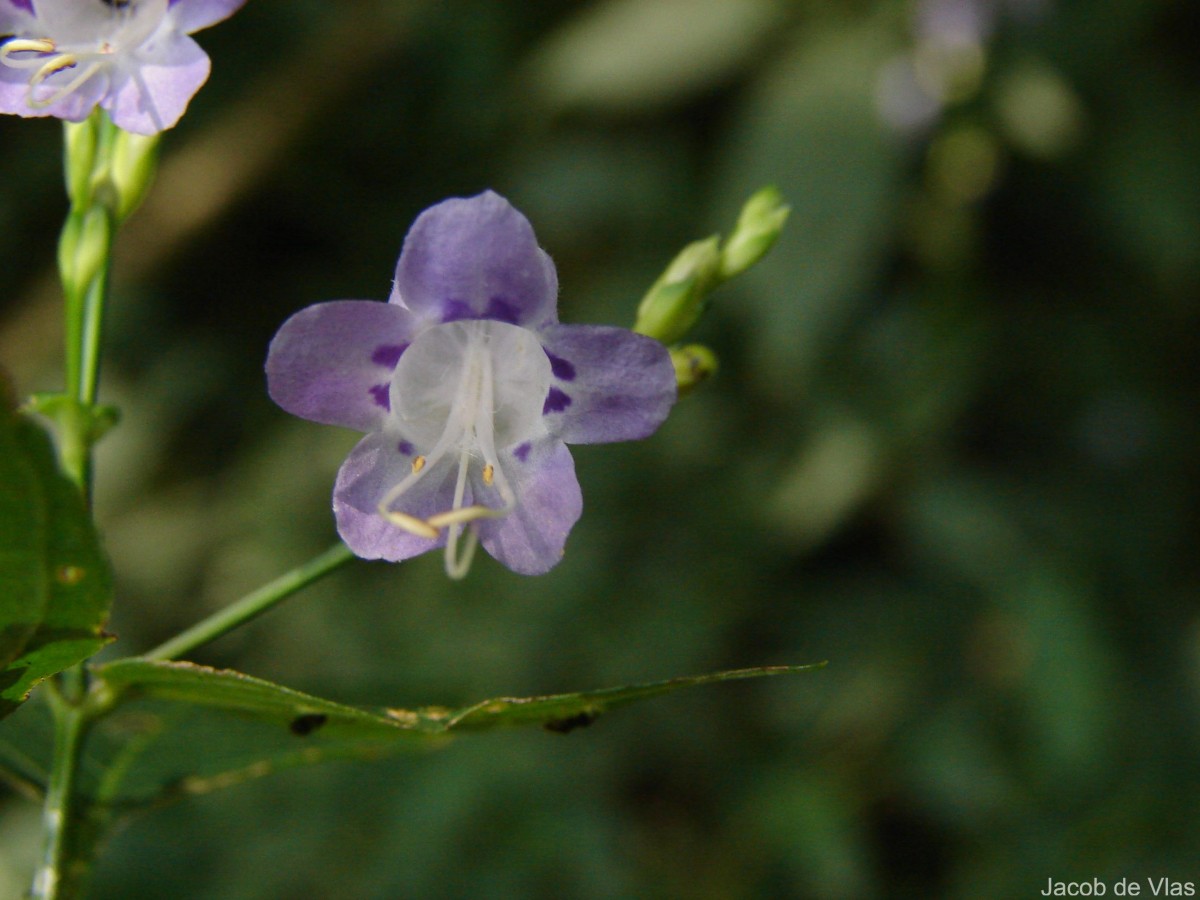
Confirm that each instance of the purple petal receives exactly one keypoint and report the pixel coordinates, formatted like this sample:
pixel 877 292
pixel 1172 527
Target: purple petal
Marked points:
pixel 14 89
pixel 153 95
pixel 476 258
pixel 321 364
pixel 623 385
pixel 15 16
pixel 75 107
pixel 373 468
pixel 192 15
pixel 530 539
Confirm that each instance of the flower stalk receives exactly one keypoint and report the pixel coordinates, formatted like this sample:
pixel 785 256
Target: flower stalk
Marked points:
pixel 107 174
pixel 252 605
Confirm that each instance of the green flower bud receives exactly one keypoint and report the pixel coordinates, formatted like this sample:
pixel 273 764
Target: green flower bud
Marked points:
pixel 131 169
pixel 757 229
pixel 676 300
pixel 83 248
pixel 80 140
pixel 693 364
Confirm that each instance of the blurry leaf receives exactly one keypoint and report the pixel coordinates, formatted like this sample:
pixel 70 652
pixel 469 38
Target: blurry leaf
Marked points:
pixel 840 464
pixel 637 54
pixel 1148 187
pixel 986 533
pixel 55 584
pixel 813 129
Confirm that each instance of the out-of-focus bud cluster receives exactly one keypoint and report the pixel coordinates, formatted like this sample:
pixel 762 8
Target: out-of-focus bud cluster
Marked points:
pixel 947 91
pixel 948 60
pixel 678 298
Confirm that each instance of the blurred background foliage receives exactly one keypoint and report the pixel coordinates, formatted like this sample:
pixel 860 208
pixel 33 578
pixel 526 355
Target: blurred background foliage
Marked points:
pixel 952 447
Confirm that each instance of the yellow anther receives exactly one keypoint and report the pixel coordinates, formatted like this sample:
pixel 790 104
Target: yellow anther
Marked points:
pixel 411 524
pixel 28 45
pixel 489 474
pixel 418 464
pixel 53 66
pixel 462 515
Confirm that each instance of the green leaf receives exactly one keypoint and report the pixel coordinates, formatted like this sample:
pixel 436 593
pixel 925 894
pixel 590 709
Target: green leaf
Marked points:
pixel 55 583
pixel 184 729
pixel 234 691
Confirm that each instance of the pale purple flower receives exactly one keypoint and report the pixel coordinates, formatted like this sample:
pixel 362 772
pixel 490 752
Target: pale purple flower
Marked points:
pixel 131 57
pixel 469 389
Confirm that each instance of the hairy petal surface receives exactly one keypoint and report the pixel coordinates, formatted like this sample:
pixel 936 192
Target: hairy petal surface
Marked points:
pixel 333 362
pixel 476 258
pixel 375 465
pixel 152 96
pixel 530 540
pixel 610 385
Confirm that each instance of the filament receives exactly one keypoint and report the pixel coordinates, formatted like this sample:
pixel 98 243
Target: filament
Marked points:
pixel 469 429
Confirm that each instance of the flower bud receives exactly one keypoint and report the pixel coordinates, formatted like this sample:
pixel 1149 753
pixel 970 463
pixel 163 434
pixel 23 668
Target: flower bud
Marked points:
pixel 83 248
pixel 79 151
pixel 674 303
pixel 757 229
pixel 694 364
pixel 131 169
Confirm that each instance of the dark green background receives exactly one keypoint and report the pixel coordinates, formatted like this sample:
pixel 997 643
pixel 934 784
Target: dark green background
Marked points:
pixel 952 449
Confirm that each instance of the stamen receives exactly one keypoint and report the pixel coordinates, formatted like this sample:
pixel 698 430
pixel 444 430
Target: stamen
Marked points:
pixel 454 563
pixel 464 514
pixel 457 568
pixel 467 431
pixel 37 46
pixel 411 524
pixel 54 66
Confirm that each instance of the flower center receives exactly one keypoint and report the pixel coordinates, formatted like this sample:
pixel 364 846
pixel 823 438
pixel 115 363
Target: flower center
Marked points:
pixel 81 43
pixel 459 392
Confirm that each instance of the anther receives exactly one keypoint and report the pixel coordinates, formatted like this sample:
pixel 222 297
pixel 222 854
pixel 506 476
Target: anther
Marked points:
pixel 418 464
pixel 489 474
pixel 411 524
pixel 25 45
pixel 463 514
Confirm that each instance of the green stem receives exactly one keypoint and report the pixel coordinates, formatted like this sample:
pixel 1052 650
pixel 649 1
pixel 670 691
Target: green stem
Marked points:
pixel 106 171
pixel 57 878
pixel 252 605
pixel 91 322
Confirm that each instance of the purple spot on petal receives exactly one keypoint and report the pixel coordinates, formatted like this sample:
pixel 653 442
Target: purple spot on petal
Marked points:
pixel 379 394
pixel 454 310
pixel 405 447
pixel 22 4
pixel 561 368
pixel 522 451
pixel 388 355
pixel 501 309
pixel 556 401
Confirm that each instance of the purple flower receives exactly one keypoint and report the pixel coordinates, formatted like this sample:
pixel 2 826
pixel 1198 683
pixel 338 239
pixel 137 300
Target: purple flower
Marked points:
pixel 468 388
pixel 132 57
